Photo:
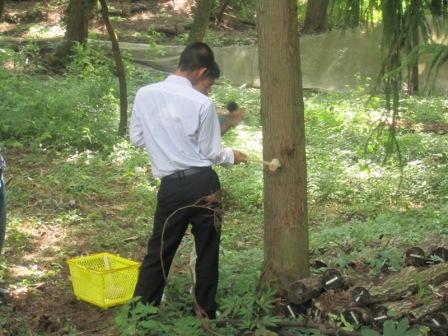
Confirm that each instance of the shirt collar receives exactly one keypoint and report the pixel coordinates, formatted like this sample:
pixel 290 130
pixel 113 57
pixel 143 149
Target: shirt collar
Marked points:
pixel 178 80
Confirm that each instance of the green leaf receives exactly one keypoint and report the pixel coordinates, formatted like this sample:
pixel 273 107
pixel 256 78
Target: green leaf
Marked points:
pixel 402 327
pixel 389 328
pixel 369 332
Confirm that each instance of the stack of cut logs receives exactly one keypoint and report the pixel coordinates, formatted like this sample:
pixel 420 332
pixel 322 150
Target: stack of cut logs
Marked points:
pixel 419 292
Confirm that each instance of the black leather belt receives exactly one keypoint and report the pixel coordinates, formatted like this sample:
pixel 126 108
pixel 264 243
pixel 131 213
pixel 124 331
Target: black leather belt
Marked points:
pixel 184 173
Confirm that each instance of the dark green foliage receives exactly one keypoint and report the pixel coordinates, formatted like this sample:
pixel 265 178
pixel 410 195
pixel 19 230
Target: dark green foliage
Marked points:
pixel 78 109
pixel 392 328
pixel 353 13
pixel 244 9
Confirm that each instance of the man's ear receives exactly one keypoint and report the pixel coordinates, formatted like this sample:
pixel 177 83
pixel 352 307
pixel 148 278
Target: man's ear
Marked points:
pixel 201 72
pixel 196 75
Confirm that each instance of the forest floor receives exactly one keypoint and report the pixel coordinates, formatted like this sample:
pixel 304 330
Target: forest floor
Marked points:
pixel 155 22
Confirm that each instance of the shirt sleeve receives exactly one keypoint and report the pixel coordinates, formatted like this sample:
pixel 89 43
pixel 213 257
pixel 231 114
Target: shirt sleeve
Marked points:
pixel 135 128
pixel 209 137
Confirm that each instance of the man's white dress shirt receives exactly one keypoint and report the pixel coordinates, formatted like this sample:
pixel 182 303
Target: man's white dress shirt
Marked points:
pixel 178 126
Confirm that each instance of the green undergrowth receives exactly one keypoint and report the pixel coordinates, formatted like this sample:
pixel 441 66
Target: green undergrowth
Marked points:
pixel 76 188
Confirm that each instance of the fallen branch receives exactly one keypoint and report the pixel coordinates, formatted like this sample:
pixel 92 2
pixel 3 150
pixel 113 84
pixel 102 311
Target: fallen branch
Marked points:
pixel 407 283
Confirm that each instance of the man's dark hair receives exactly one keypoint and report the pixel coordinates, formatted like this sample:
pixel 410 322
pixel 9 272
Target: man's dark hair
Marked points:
pixel 195 56
pixel 213 72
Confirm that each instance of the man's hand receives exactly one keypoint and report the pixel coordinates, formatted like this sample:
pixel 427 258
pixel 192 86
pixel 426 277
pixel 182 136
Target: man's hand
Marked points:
pixel 240 157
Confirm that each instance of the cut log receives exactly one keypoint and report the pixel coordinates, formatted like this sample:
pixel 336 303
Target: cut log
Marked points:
pixel 331 302
pixel 414 310
pixel 438 319
pixel 415 256
pixel 357 316
pixel 438 255
pixel 317 264
pixel 304 290
pixel 360 296
pixel 332 279
pixel 379 315
pixel 407 282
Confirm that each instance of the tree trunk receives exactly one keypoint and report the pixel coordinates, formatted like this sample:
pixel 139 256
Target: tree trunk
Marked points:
pixel 77 21
pixel 285 196
pixel 316 17
pixel 436 7
pixel 121 73
pixel 201 19
pixel 414 8
pixel 2 7
pixel 354 13
pixel 221 10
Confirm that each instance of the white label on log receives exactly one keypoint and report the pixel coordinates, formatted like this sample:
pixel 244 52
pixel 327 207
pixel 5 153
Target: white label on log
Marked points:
pixel 332 280
pixel 290 311
pixel 378 318
pixel 354 317
pixel 417 256
pixel 435 322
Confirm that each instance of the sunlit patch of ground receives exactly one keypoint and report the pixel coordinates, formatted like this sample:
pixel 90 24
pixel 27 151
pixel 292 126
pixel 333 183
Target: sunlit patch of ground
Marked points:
pixel 42 238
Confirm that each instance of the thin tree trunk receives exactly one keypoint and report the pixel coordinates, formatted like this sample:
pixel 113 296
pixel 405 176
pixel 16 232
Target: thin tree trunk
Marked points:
pixel 77 21
pixel 285 196
pixel 316 17
pixel 436 7
pixel 121 73
pixel 222 10
pixel 2 7
pixel 354 13
pixel 413 71
pixel 414 8
pixel 201 20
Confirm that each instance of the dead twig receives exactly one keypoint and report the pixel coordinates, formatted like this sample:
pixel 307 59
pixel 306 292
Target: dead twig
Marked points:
pixel 211 203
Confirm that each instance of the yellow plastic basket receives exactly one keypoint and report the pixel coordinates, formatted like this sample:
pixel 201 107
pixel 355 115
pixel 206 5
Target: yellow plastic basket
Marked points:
pixel 103 279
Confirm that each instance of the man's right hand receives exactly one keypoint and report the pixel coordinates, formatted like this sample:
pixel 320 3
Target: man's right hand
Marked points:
pixel 239 157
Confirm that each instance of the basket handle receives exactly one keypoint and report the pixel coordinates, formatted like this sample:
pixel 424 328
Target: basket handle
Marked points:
pixel 107 268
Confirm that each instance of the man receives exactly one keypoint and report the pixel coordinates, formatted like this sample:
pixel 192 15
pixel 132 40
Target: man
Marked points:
pixel 179 128
pixel 226 121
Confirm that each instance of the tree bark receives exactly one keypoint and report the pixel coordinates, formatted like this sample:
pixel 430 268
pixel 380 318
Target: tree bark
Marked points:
pixel 414 7
pixel 436 7
pixel 316 17
pixel 415 310
pixel 354 13
pixel 408 282
pixel 221 10
pixel 121 73
pixel 201 19
pixel 285 196
pixel 77 21
pixel 2 7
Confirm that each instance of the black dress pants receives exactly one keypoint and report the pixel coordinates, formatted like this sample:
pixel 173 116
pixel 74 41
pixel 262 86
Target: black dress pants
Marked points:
pixel 173 195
